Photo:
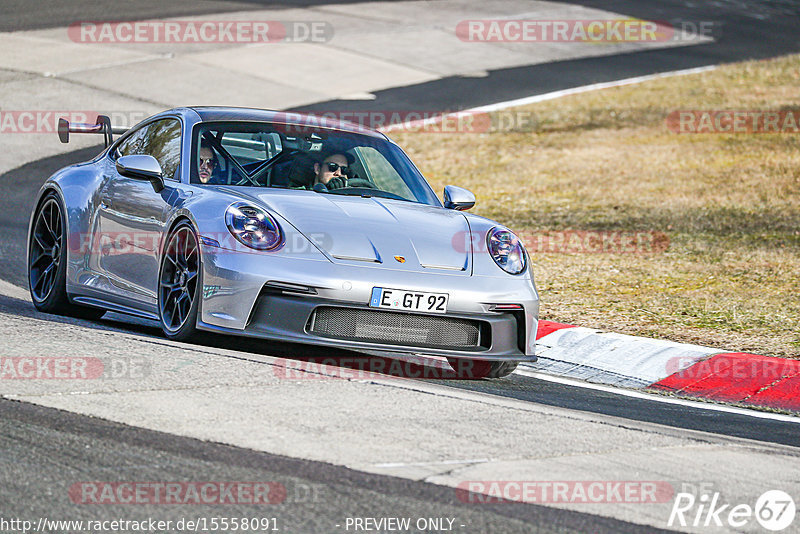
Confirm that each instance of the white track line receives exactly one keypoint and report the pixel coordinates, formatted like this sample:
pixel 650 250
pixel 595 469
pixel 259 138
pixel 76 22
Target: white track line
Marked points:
pixel 443 462
pixel 658 398
pixel 586 88
pixel 546 96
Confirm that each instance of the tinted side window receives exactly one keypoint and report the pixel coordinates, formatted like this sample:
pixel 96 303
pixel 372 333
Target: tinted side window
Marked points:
pixel 134 143
pixel 164 144
pixel 160 139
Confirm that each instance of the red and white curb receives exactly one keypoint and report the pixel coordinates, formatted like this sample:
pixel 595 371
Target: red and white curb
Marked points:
pixel 687 370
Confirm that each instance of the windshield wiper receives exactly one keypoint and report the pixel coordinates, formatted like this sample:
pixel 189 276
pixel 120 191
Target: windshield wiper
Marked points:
pixel 365 192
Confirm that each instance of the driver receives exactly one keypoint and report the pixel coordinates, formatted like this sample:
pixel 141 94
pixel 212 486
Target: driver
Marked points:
pixel 333 171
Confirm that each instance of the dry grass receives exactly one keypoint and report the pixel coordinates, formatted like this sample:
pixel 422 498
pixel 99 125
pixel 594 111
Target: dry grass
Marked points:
pixel 730 204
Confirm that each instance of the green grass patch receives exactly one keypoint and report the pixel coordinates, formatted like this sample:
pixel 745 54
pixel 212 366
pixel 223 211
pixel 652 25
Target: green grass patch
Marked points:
pixel 606 161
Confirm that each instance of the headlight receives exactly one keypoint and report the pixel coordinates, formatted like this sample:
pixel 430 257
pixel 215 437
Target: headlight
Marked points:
pixel 506 250
pixel 253 227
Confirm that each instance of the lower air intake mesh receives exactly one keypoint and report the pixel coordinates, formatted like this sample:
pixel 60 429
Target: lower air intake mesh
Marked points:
pixel 395 328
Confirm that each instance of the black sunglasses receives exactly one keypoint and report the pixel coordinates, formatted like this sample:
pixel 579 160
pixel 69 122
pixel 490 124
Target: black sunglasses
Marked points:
pixel 333 166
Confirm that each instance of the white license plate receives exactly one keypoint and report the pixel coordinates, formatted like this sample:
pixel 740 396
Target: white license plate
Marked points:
pixel 402 299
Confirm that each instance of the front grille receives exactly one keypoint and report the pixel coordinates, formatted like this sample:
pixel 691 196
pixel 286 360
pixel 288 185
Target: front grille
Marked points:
pixel 398 328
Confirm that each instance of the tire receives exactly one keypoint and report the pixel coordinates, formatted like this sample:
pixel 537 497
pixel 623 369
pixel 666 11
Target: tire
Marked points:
pixel 179 283
pixel 47 262
pixel 475 369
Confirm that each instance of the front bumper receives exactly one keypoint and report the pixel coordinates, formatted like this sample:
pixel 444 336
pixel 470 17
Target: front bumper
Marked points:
pixel 281 299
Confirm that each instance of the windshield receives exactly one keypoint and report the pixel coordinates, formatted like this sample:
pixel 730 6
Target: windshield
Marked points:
pixel 258 154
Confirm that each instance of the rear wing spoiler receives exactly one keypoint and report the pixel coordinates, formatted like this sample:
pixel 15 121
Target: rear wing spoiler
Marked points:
pixel 102 126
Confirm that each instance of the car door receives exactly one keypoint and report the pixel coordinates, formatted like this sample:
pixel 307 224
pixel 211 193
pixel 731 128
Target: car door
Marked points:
pixel 135 214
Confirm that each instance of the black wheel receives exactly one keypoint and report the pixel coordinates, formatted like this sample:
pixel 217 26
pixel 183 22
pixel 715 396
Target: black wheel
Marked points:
pixel 178 282
pixel 472 369
pixel 47 263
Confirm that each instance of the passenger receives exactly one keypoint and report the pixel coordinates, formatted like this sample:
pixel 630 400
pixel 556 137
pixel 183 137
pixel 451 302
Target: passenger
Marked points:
pixel 208 166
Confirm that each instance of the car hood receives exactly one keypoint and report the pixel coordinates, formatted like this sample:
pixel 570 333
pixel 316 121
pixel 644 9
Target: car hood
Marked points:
pixel 403 235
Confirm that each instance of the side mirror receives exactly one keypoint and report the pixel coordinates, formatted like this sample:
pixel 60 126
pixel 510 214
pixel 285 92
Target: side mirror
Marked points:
pixel 458 198
pixel 142 167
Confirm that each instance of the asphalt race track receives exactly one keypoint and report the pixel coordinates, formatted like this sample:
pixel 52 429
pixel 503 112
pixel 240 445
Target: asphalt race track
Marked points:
pixel 36 444
pixel 15 15
pixel 47 451
pixel 44 450
pixel 744 30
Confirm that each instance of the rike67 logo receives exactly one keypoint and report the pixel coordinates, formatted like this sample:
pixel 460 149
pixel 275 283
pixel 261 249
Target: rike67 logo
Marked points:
pixel 774 510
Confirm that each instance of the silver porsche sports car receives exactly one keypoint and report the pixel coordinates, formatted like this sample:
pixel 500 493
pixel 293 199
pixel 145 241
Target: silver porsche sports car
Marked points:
pixel 280 226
